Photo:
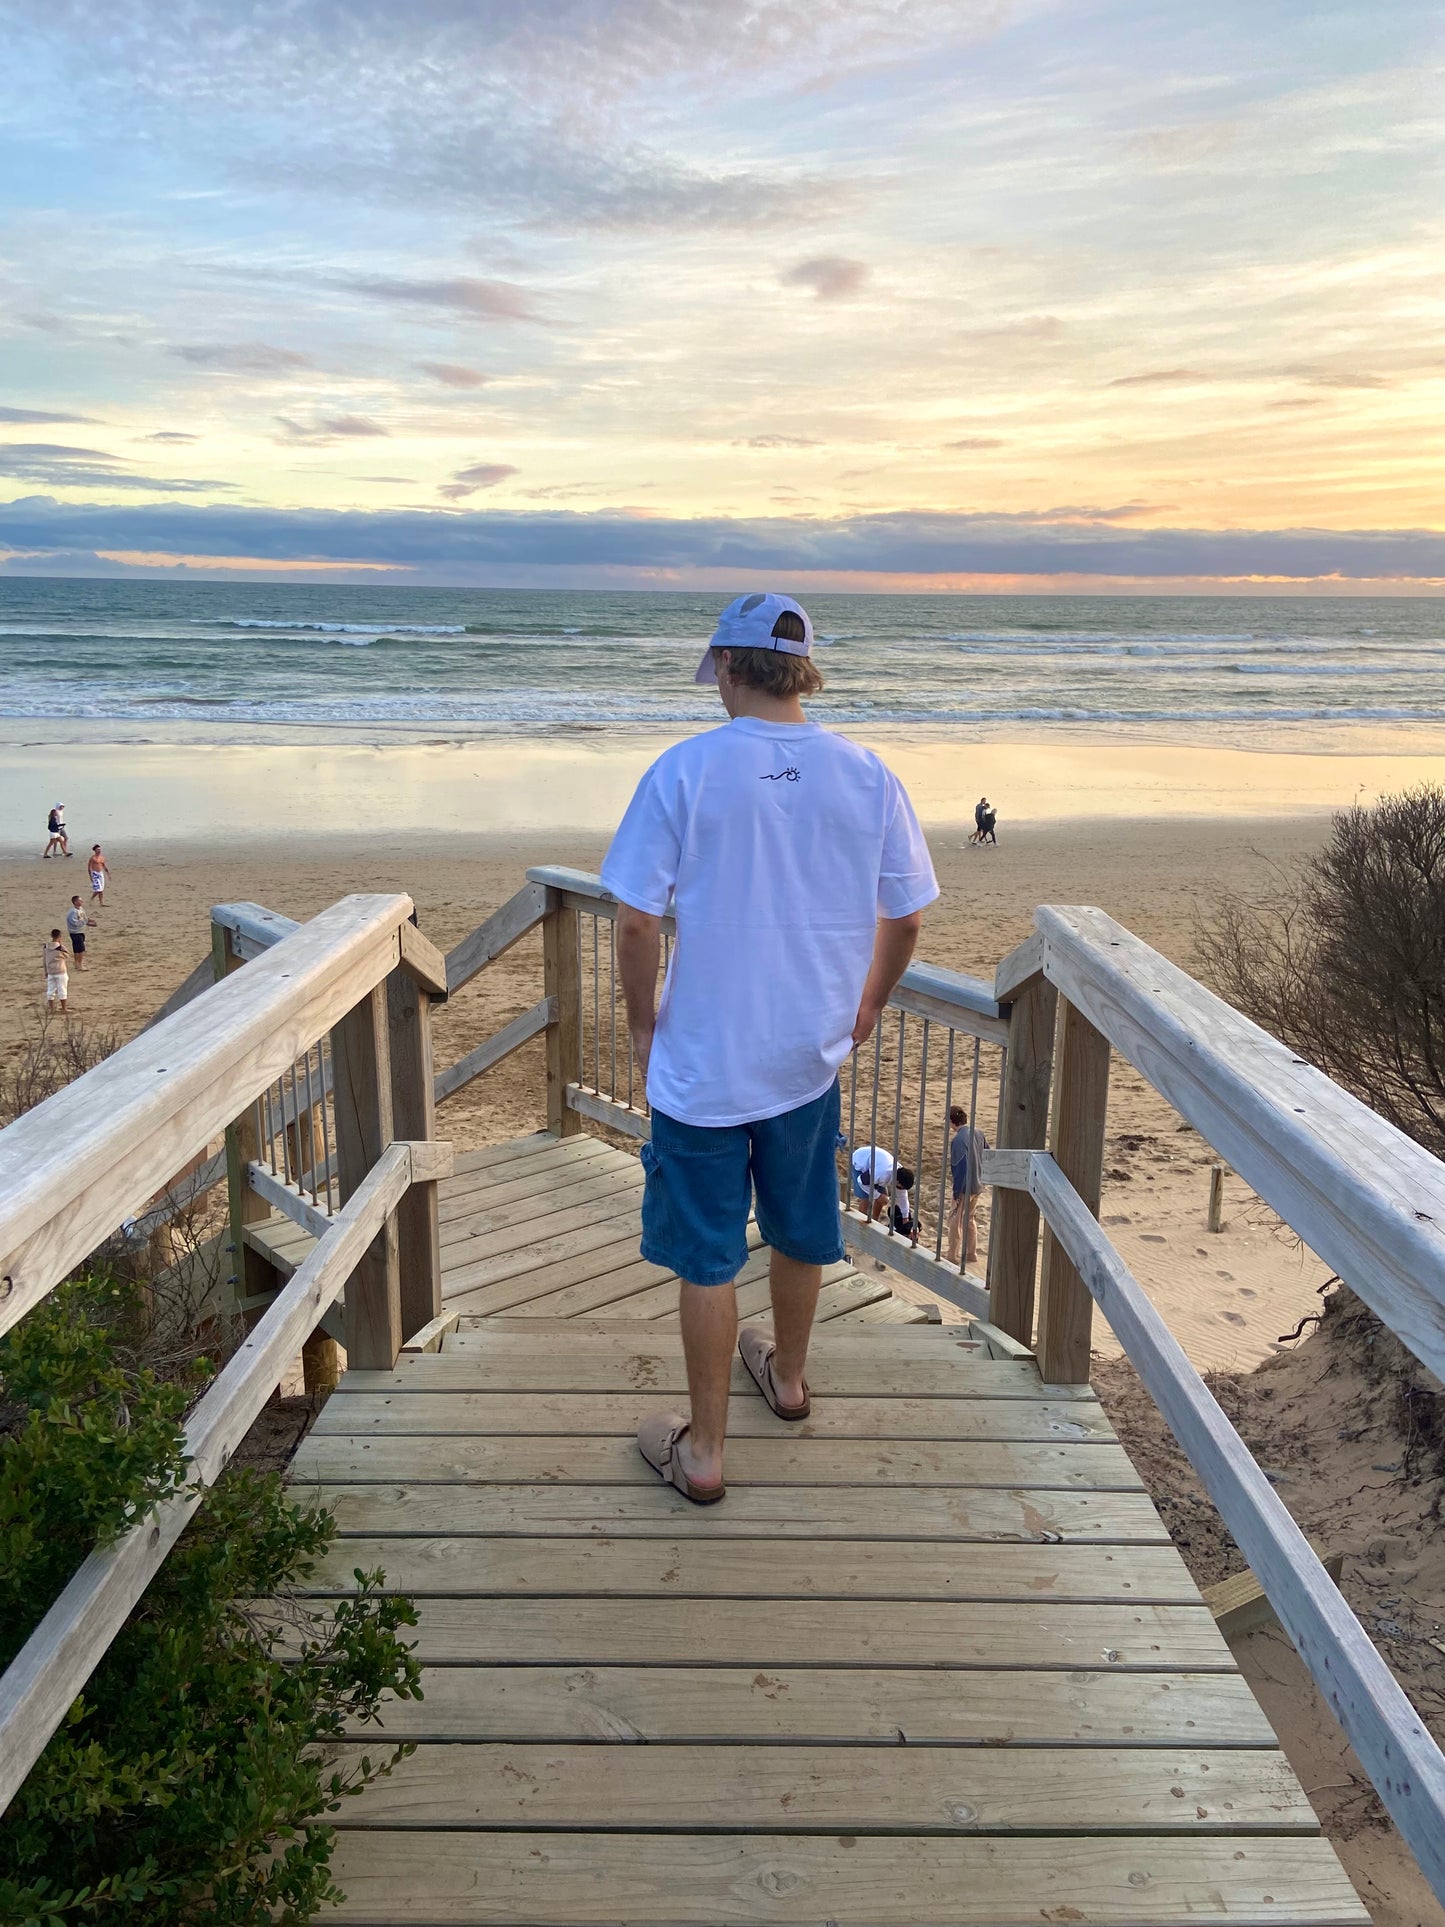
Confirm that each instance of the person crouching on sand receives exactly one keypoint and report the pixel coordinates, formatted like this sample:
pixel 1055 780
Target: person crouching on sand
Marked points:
pixel 798 876
pixel 57 976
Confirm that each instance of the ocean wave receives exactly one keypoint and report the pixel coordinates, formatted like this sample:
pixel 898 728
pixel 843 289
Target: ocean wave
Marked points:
pixel 348 628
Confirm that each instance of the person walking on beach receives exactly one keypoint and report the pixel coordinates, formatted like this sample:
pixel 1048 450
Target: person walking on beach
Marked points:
pixel 57 975
pixel 798 876
pixel 990 819
pixel 980 811
pixel 99 875
pixel 965 1159
pixel 77 923
pixel 55 828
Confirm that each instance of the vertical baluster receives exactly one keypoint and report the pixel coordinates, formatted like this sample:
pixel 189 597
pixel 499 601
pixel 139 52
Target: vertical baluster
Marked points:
pixel 310 1130
pixel 596 1006
pixel 270 1129
pixel 970 1204
pixel 293 1143
pixel 325 1131
pixel 612 996
pixel 945 1168
pixel 922 1112
pixel 852 1129
pixel 897 1117
pixel 873 1116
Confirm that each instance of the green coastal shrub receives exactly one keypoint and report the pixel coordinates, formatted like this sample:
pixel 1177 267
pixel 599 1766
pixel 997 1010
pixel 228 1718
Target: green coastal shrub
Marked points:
pixel 187 1783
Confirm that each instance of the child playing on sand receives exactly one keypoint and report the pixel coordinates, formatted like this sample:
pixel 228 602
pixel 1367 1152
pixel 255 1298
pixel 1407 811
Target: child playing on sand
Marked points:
pixel 905 1222
pixel 57 976
pixel 99 875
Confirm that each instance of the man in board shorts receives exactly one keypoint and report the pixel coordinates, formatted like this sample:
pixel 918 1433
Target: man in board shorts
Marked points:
pixel 77 923
pixel 99 875
pixel 799 876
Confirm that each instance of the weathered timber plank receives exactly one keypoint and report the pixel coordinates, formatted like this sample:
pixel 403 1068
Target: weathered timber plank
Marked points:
pixel 656 1365
pixel 1360 1193
pixel 538 1176
pixel 804 1789
pixel 1395 1746
pixel 757 1569
pixel 618 1414
pixel 786 1461
pixel 822 1512
pixel 524 1283
pixel 492 939
pixel 947 1634
pixel 566 1879
pixel 850 1706
pixel 495 1048
pixel 545 1230
pixel 612 1224
pixel 129 1124
pixel 534 1211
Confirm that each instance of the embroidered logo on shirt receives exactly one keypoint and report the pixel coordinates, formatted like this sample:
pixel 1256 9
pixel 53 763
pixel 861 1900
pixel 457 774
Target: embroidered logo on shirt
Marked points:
pixel 790 775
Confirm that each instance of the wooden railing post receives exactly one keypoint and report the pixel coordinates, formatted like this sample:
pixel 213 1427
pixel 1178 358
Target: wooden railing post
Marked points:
pixel 251 1272
pixel 1081 1102
pixel 1013 1243
pixel 413 1116
pixel 361 1097
pixel 562 981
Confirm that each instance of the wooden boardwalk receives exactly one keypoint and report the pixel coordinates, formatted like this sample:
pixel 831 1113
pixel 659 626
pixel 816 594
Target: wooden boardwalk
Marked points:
pixel 547 1228
pixel 934 1659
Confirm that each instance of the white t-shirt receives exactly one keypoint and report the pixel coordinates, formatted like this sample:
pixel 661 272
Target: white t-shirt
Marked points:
pixel 76 920
pixel 881 1162
pixel 781 845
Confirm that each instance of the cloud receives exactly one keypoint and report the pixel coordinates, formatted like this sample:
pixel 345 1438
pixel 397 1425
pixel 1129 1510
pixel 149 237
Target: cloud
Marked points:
pixel 777 441
pixel 459 294
pixel 467 481
pixel 39 417
pixel 329 428
pixel 242 358
pixel 170 435
pixel 1162 378
pixel 908 543
pixel 1029 327
pixel 57 465
pixel 452 374
pixel 832 277
pixel 976 441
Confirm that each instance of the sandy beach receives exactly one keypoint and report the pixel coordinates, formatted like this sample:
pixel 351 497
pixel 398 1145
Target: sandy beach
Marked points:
pixel 1228 1296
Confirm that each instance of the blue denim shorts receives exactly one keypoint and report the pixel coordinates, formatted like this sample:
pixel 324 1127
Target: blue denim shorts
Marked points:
pixel 702 1182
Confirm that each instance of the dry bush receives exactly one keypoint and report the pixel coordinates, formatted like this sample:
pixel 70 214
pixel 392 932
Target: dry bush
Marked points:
pixel 171 1251
pixel 57 1051
pixel 1346 961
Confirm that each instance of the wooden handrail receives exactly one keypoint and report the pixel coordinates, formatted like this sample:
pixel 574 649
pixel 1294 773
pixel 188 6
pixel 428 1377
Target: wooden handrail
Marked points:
pixel 41 1683
pixel 97 1151
pixel 1363 1196
pixel 493 1049
pixel 1396 1750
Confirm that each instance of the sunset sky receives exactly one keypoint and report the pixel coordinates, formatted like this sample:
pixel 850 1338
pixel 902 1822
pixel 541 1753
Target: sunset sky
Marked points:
pixel 875 293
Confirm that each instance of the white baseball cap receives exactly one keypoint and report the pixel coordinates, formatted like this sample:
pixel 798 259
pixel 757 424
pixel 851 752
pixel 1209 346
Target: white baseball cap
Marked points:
pixel 751 622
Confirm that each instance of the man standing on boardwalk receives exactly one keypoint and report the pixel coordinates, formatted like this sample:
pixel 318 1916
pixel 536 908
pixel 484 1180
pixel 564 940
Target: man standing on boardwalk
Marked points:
pixel 798 876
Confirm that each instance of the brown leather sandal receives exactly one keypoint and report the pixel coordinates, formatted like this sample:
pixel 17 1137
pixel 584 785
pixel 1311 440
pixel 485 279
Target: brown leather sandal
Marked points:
pixel 756 1350
pixel 657 1441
